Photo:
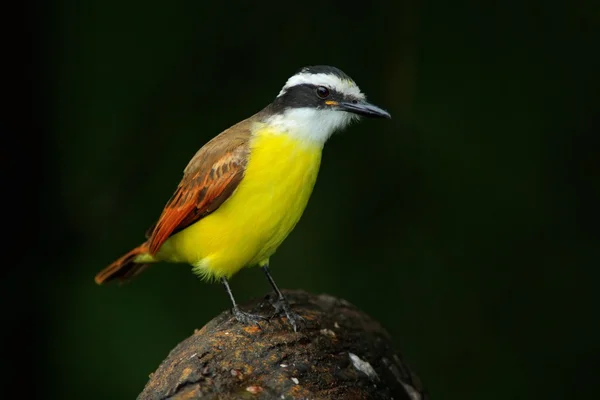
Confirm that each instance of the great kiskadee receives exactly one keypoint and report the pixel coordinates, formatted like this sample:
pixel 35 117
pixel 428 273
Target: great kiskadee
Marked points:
pixel 245 190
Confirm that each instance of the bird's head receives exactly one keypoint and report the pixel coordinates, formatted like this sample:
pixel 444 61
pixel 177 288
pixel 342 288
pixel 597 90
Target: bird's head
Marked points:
pixel 317 101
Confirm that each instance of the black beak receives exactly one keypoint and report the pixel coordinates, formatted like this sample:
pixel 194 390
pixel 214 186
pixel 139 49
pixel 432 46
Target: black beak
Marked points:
pixel 364 108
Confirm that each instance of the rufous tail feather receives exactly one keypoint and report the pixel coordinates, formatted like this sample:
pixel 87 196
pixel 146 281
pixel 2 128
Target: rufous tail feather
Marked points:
pixel 125 267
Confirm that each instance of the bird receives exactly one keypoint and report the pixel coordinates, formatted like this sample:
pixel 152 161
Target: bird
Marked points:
pixel 244 191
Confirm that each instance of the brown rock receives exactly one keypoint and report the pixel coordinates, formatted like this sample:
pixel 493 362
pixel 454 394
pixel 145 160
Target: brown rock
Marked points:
pixel 341 353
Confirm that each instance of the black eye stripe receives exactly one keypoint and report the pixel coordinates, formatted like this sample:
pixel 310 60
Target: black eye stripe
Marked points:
pixel 304 95
pixel 304 88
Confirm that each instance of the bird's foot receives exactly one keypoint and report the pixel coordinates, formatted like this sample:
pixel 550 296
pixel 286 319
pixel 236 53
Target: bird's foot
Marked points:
pixel 282 307
pixel 247 318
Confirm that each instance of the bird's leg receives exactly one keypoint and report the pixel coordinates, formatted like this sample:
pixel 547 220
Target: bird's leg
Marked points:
pixel 241 316
pixel 281 304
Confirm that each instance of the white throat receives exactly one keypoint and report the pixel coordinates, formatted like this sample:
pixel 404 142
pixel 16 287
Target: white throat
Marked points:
pixel 310 124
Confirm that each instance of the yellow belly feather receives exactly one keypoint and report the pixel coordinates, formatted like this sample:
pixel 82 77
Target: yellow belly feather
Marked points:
pixel 247 228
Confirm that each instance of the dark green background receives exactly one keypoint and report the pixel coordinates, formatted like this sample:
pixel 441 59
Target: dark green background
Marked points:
pixel 467 225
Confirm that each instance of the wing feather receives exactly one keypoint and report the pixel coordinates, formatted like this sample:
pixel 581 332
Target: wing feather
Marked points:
pixel 210 178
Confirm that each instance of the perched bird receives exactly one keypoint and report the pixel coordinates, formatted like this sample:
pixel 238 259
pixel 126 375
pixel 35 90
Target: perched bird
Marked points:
pixel 244 191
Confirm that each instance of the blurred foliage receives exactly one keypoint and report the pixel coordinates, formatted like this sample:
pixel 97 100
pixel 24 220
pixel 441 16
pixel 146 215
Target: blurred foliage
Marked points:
pixel 468 224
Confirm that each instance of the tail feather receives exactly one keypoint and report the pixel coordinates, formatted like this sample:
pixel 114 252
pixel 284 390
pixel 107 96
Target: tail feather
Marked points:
pixel 125 268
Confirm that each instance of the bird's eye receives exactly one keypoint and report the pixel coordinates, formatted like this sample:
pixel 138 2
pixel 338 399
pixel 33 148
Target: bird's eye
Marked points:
pixel 322 92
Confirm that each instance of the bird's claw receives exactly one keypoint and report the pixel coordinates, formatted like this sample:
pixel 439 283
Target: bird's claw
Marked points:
pixel 247 318
pixel 283 307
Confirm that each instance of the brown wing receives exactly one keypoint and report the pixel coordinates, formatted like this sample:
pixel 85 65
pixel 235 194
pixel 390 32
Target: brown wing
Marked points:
pixel 209 179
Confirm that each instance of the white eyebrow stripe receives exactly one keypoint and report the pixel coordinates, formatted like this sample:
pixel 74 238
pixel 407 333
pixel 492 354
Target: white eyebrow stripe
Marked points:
pixel 328 80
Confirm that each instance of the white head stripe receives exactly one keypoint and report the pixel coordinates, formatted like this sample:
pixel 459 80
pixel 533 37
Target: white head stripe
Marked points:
pixel 343 86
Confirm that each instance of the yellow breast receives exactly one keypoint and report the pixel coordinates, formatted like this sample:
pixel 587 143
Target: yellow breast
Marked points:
pixel 247 228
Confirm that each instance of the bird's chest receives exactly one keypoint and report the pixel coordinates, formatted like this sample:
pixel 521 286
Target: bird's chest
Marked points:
pixel 277 184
